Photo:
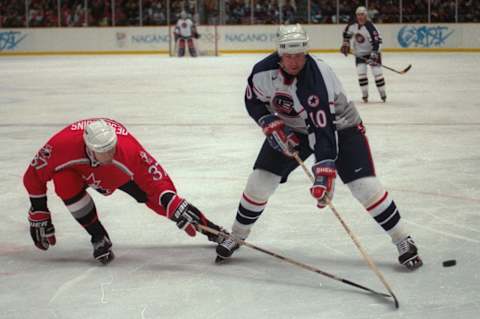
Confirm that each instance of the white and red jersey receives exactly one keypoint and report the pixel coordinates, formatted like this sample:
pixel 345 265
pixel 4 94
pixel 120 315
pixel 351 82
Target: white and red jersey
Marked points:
pixel 66 150
pixel 185 28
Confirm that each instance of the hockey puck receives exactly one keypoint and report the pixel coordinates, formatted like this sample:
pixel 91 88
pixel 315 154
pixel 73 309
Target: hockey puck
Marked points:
pixel 449 263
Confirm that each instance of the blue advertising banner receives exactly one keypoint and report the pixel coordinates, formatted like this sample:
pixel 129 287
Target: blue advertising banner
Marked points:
pixel 426 36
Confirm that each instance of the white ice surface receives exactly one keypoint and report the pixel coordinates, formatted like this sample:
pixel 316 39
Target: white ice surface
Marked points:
pixel 189 114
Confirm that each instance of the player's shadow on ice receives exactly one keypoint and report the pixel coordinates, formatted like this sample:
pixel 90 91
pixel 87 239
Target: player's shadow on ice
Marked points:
pixel 198 259
pixel 124 255
pixel 261 273
pixel 196 254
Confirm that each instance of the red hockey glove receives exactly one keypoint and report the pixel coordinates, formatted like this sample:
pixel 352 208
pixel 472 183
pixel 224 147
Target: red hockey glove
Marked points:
pixel 324 185
pixel 279 136
pixel 41 229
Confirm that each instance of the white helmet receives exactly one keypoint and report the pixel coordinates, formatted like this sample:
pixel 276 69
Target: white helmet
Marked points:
pixel 291 39
pixel 99 136
pixel 361 10
pixel 183 15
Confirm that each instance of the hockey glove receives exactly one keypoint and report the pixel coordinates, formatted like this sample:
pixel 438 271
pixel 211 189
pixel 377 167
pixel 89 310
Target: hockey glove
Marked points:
pixel 345 48
pixel 324 185
pixel 41 229
pixel 280 137
pixel 373 59
pixel 184 214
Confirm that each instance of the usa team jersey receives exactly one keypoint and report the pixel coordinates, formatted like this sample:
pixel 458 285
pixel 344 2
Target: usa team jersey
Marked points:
pixel 185 28
pixel 66 150
pixel 365 38
pixel 312 103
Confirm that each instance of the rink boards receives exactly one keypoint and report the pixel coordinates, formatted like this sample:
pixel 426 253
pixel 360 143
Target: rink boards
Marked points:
pixel 229 39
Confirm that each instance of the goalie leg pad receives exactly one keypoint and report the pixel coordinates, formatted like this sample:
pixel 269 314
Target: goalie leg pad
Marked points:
pixel 181 47
pixel 191 48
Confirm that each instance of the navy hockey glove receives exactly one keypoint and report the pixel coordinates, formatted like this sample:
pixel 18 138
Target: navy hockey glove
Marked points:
pixel 279 136
pixel 324 185
pixel 41 229
pixel 373 59
pixel 345 48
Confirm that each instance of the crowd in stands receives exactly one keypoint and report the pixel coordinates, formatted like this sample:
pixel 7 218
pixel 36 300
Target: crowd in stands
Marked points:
pixel 78 13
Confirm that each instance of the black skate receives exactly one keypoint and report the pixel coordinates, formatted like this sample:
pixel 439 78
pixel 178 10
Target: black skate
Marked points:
pixel 102 250
pixel 384 98
pixel 365 99
pixel 225 249
pixel 408 254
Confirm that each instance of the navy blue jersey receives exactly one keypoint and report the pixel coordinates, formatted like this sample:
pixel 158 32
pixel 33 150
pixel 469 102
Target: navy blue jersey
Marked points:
pixel 312 103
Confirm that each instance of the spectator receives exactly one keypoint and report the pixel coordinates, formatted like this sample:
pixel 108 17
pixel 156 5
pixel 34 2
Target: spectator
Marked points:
pixel 100 13
pixel 468 11
pixel 288 12
pixel 237 11
pixel 43 13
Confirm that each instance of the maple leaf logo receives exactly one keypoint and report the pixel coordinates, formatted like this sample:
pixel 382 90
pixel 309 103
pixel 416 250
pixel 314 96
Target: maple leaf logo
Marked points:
pixel 95 184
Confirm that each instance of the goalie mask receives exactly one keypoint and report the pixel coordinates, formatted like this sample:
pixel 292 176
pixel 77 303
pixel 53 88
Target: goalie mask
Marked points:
pixel 292 39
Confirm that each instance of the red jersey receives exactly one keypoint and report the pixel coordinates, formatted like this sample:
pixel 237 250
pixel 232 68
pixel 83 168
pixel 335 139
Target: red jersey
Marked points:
pixel 66 150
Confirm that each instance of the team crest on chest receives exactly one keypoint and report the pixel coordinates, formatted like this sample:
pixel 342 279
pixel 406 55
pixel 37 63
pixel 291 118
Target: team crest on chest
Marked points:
pixel 359 38
pixel 283 104
pixel 95 184
pixel 313 100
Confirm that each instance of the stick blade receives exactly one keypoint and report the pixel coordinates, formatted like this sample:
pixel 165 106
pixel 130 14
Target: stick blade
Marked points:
pixel 407 69
pixel 395 300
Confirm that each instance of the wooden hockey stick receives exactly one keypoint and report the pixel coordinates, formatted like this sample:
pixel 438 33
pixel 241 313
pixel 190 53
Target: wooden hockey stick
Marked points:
pixel 367 258
pixel 296 263
pixel 384 66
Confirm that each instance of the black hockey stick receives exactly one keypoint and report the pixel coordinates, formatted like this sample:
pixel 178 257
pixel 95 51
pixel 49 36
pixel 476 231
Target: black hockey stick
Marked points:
pixel 383 66
pixel 297 263
pixel 363 252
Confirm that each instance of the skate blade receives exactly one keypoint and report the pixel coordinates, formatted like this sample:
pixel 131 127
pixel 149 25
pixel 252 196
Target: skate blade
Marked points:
pixel 106 258
pixel 413 263
pixel 220 260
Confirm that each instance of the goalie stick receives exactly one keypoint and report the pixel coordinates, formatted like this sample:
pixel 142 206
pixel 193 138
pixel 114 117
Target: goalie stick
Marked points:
pixel 297 263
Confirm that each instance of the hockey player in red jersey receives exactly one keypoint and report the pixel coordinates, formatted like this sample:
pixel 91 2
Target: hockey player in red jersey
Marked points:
pixel 103 155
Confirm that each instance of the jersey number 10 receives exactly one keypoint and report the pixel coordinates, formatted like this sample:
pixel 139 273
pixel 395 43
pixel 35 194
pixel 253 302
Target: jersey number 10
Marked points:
pixel 318 118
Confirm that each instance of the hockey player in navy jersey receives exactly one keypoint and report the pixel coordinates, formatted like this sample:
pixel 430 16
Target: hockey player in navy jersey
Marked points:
pixel 366 47
pixel 301 106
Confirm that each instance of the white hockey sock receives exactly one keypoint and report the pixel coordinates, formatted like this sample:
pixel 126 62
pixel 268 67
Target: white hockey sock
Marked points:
pixel 240 231
pixel 385 212
pixel 372 195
